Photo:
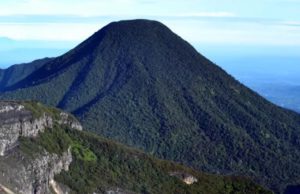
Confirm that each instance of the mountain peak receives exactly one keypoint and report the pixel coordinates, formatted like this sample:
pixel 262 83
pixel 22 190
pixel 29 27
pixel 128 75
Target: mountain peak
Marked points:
pixel 137 23
pixel 127 44
pixel 132 31
pixel 139 83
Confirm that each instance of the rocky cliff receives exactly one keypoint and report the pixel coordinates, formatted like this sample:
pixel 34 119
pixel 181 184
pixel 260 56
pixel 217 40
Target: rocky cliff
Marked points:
pixel 44 151
pixel 16 120
pixel 21 172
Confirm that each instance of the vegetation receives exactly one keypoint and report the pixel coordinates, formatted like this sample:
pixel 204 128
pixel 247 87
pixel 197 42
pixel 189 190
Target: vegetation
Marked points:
pixel 140 84
pixel 101 165
pixel 53 140
pixel 16 73
pixel 83 154
pixel 37 109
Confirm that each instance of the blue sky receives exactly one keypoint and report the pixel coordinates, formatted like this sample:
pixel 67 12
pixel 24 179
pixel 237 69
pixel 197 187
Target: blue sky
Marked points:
pixel 207 24
pixel 266 22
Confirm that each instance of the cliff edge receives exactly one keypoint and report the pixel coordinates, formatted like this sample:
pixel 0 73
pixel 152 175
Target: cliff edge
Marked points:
pixel 26 167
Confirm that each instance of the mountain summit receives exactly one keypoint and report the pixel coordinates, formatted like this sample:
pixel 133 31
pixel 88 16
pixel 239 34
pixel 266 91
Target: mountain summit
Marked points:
pixel 139 83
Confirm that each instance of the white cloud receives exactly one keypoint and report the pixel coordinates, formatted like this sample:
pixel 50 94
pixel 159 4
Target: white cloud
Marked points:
pixel 76 20
pixel 290 23
pixel 202 30
pixel 49 32
pixel 90 8
pixel 68 7
pixel 206 14
pixel 227 33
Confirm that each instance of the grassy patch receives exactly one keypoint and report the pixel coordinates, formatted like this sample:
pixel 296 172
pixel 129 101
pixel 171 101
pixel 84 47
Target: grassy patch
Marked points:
pixel 82 153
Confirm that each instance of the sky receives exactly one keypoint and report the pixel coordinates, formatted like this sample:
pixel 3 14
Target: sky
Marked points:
pixel 256 41
pixel 243 25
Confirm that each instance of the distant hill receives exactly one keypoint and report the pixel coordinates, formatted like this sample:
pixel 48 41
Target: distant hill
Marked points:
pixel 139 83
pixel 16 73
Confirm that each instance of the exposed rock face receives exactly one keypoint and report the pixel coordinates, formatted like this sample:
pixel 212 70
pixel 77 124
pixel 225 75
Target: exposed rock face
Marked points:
pixel 35 176
pixel 3 189
pixel 67 119
pixel 118 191
pixel 185 177
pixel 30 175
pixel 16 121
pixel 189 180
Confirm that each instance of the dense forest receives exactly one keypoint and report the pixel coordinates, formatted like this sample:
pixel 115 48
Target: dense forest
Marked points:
pixel 138 83
pixel 101 165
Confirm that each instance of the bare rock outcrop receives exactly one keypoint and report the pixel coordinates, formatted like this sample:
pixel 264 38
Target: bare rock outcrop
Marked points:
pixel 16 121
pixel 184 177
pixel 20 173
pixel 32 176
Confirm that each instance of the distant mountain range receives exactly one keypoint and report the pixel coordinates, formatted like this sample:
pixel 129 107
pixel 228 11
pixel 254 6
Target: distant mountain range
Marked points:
pixel 140 84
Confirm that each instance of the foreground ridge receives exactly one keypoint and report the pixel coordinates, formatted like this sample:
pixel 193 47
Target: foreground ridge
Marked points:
pixel 53 155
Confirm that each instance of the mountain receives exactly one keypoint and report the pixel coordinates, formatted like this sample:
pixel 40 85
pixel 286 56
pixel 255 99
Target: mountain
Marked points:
pixel 18 72
pixel 43 150
pixel 140 84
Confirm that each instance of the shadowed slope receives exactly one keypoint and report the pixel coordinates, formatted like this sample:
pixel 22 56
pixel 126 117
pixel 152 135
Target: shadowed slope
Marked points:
pixel 16 73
